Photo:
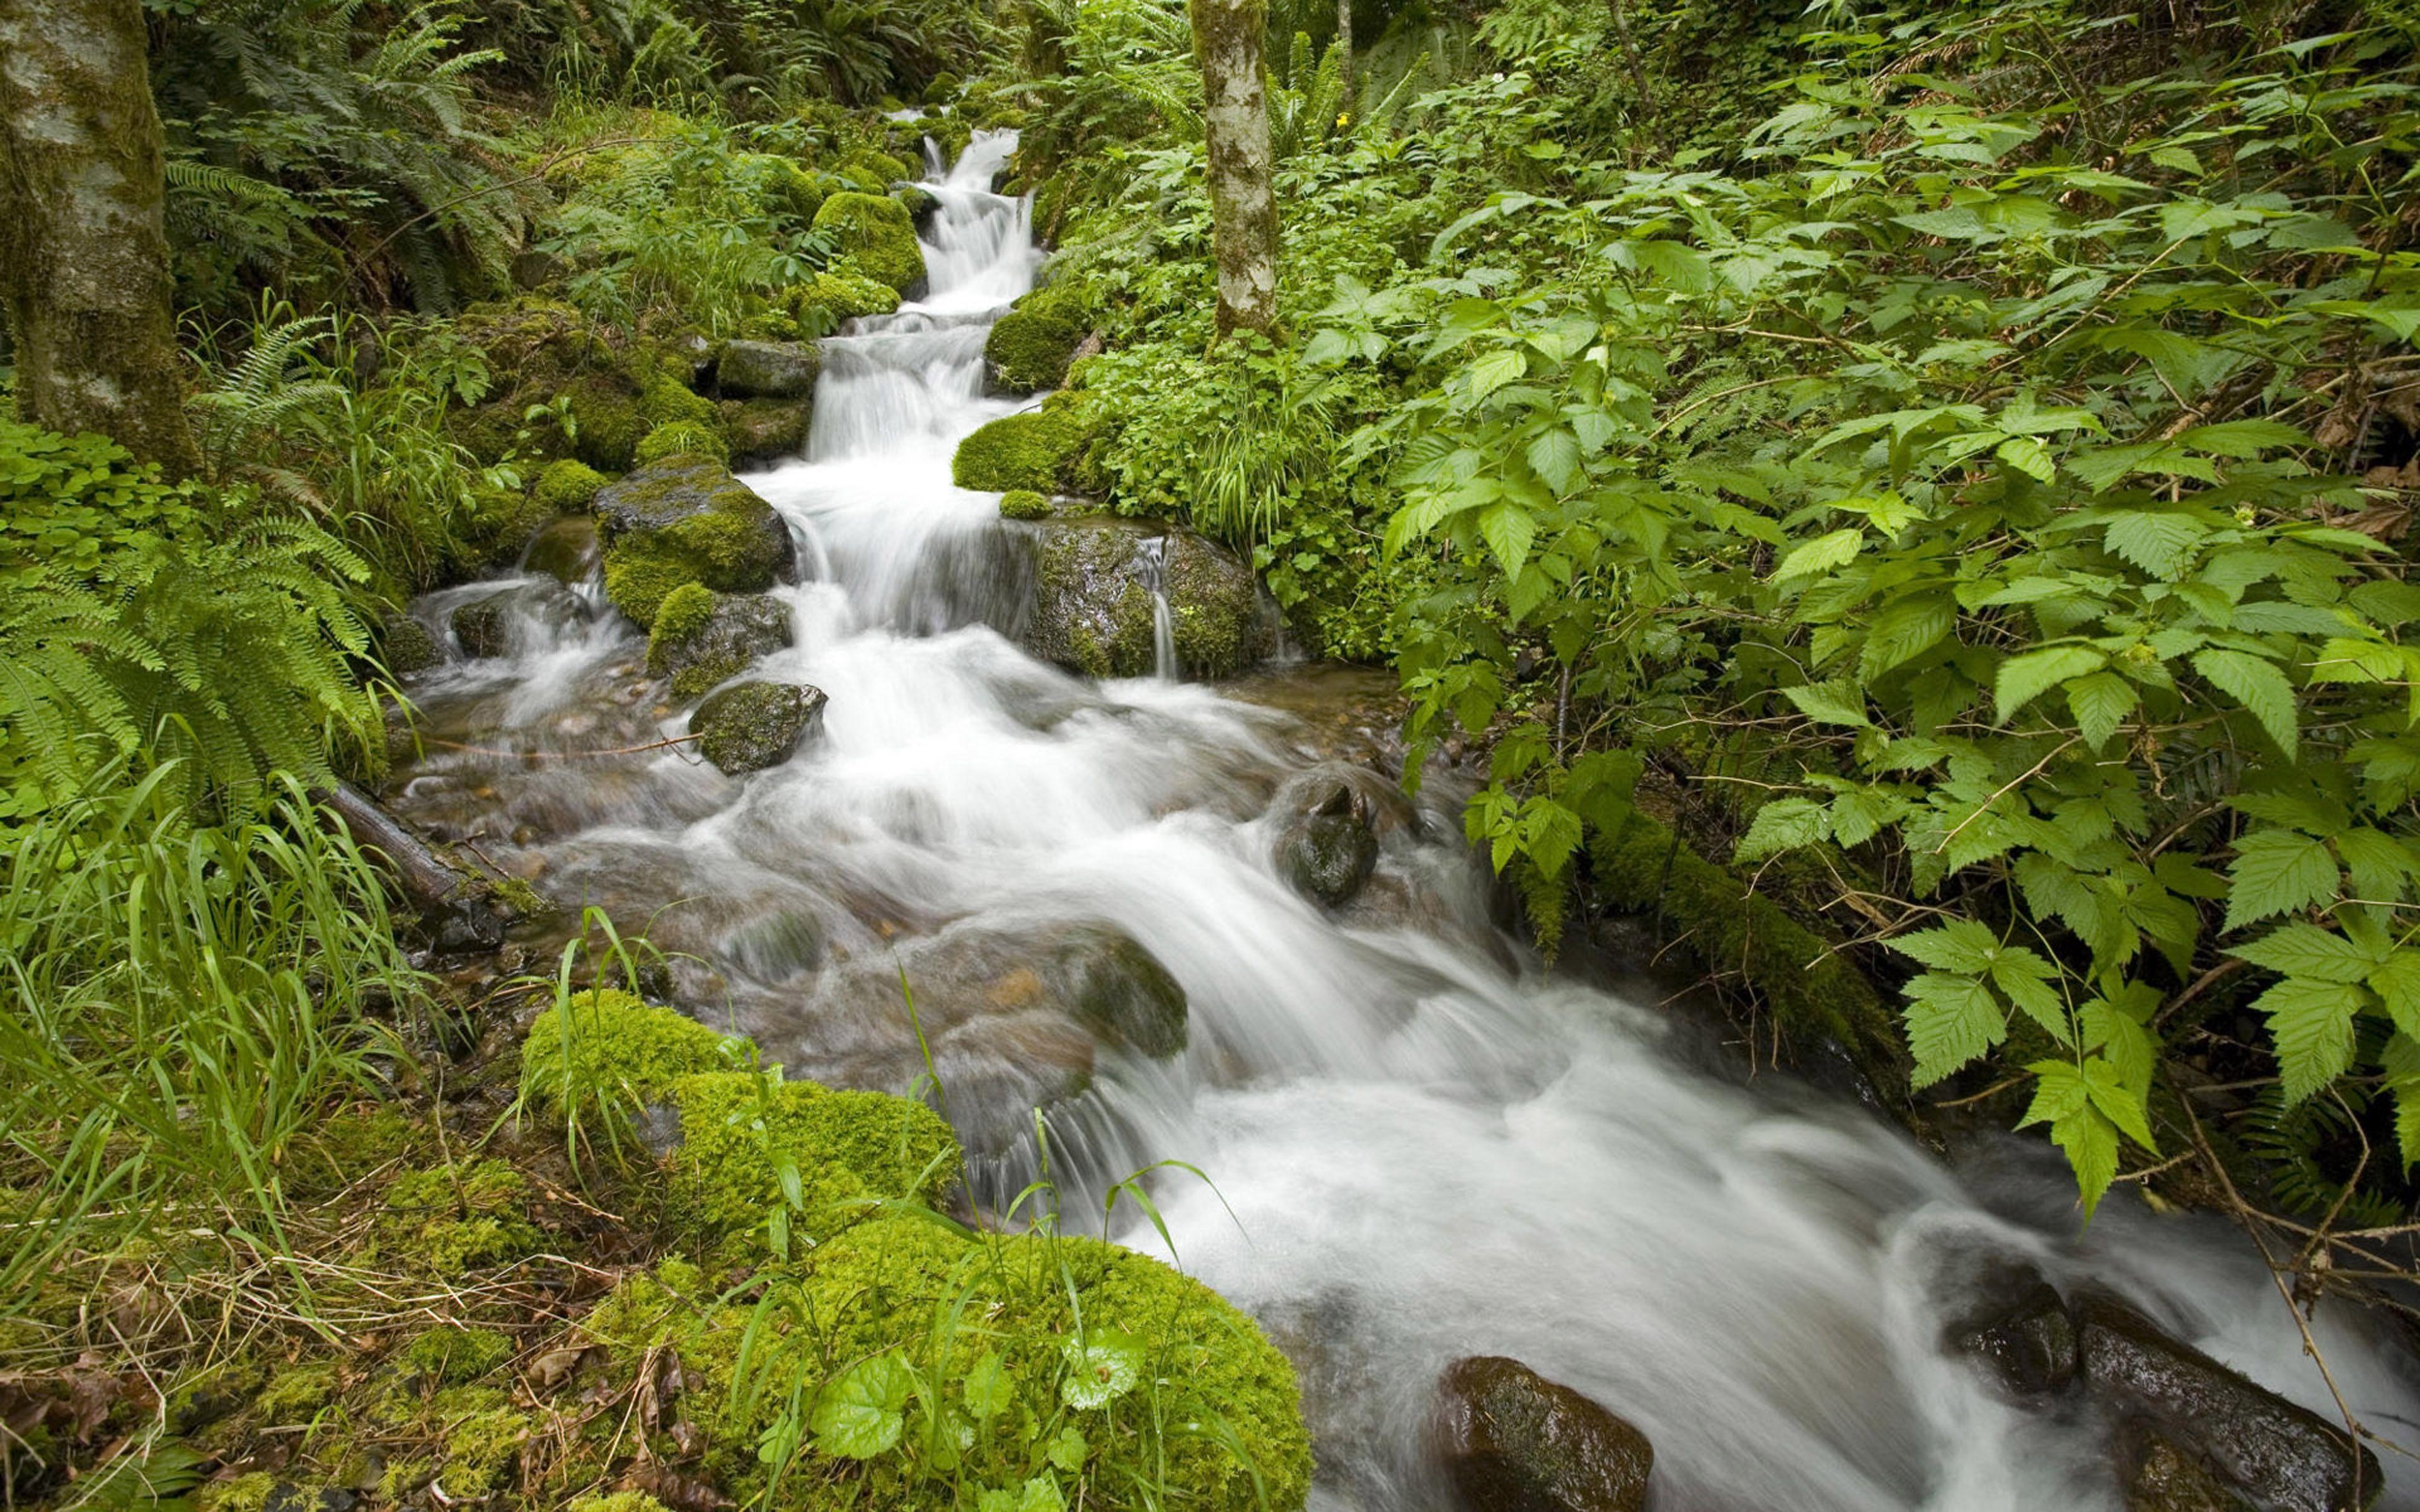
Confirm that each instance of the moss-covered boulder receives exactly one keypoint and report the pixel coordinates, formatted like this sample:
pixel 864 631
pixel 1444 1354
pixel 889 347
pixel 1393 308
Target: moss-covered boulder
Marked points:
pixel 921 203
pixel 405 646
pixel 1092 601
pixel 751 726
pixel 765 431
pixel 1510 1438
pixel 768 370
pixel 495 527
pixel 1049 451
pixel 683 521
pixel 701 638
pixel 878 235
pixel 1029 347
pixel 1112 1357
pixel 841 292
pixel 567 487
pixel 1024 504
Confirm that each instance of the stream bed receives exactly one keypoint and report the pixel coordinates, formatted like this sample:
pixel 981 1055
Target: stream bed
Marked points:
pixel 1423 1146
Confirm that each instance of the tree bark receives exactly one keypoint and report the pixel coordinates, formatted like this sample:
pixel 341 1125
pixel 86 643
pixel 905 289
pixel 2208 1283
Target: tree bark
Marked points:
pixel 1344 57
pixel 83 247
pixel 1226 37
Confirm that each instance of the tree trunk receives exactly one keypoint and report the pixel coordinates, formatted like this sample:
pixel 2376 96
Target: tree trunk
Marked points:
pixel 1344 57
pixel 84 250
pixel 1243 199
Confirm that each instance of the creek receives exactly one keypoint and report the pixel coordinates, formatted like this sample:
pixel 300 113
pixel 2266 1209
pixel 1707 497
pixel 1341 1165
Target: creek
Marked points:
pixel 1423 1146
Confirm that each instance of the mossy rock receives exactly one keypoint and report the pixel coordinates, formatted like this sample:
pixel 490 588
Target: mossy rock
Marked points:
pixel 701 638
pixel 877 233
pixel 768 370
pixel 1029 347
pixel 566 550
pixel 1093 611
pixel 683 437
pixel 1047 451
pixel 405 646
pixel 1156 1347
pixel 840 292
pixel 684 521
pixel 921 203
pixel 498 526
pixel 874 171
pixel 604 1045
pixel 567 488
pixel 765 431
pixel 1024 504
pixel 751 726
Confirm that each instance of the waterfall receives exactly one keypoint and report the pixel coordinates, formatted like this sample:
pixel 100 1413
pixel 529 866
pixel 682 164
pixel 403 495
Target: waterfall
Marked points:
pixel 1163 621
pixel 1423 1145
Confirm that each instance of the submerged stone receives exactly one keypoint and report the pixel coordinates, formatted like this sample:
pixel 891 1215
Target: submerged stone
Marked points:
pixel 498 624
pixel 1325 849
pixel 566 550
pixel 2019 1332
pixel 751 726
pixel 1516 1441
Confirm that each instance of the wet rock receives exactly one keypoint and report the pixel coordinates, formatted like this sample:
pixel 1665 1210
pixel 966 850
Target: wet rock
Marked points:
pixel 696 653
pixel 1516 1441
pixel 498 624
pixel 764 431
pixel 769 370
pixel 2280 1457
pixel 566 550
pixel 1326 850
pixel 1094 610
pixel 1120 990
pixel 686 520
pixel 406 646
pixel 751 726
pixel 2019 1332
pixel 2164 1478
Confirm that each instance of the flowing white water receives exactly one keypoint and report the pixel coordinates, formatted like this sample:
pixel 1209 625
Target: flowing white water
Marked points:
pixel 1429 1149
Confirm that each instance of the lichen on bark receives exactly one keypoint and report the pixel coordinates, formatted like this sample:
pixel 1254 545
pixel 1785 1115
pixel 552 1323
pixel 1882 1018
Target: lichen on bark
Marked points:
pixel 1235 126
pixel 83 249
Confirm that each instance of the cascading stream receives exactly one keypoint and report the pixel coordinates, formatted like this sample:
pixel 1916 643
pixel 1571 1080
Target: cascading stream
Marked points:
pixel 1430 1149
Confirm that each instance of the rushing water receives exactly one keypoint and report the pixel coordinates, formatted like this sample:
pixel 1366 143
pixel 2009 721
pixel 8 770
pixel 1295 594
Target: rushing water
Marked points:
pixel 1429 1148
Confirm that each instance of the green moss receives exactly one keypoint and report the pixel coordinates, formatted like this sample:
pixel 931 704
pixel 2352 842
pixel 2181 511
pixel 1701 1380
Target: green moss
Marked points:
pixel 497 525
pixel 686 610
pixel 791 191
pixel 566 486
pixel 876 232
pixel 1029 346
pixel 1024 504
pixel 714 531
pixel 617 1502
pixel 666 400
pixel 739 1130
pixel 1044 451
pixel 295 1395
pixel 843 292
pixel 639 581
pixel 245 1493
pixel 874 171
pixel 882 1285
pixel 456 1218
pixel 483 1434
pixel 605 1043
pixel 607 421
pixel 1801 980
pixel 682 438
pixel 456 1355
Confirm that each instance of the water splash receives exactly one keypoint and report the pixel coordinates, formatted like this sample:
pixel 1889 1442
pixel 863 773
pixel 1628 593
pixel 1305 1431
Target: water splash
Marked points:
pixel 1163 622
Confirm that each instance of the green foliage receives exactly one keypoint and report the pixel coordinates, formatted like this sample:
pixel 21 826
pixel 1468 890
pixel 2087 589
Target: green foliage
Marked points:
pixel 875 233
pixel 682 438
pixel 196 628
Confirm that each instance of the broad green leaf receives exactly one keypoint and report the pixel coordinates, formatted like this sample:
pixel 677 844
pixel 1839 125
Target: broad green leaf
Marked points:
pixel 2063 1100
pixel 2242 439
pixel 1102 1367
pixel 987 1388
pixel 1069 1449
pixel 1508 530
pixel 1962 945
pixel 2023 679
pixel 2099 703
pixel 2023 978
pixel 2278 872
pixel 2028 457
pixel 2400 1060
pixel 2308 950
pixel 1491 371
pixel 1555 456
pixel 1782 825
pixel 2260 686
pixel 859 1415
pixel 2312 1025
pixel 2397 981
pixel 1838 702
pixel 1041 1495
pixel 1822 554
pixel 2160 544
pixel 2118 1102
pixel 1912 625
pixel 1950 1021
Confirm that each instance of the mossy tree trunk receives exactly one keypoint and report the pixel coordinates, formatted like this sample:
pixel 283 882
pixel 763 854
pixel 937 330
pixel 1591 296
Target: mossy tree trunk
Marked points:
pixel 1345 54
pixel 1226 37
pixel 84 250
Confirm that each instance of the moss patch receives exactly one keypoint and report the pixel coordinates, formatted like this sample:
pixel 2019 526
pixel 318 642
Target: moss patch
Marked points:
pixel 1029 346
pixel 876 234
pixel 841 292
pixel 1043 450
pixel 682 438
pixel 566 486
pixel 607 1045
pixel 457 1218
pixel 1024 504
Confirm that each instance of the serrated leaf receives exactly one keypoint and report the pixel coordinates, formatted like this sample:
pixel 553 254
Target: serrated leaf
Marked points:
pixel 2242 439
pixel 2160 544
pixel 1491 370
pixel 1041 1495
pixel 2400 1060
pixel 860 1414
pixel 1951 1020
pixel 2023 679
pixel 1839 703
pixel 2259 685
pixel 2311 1024
pixel 1911 626
pixel 2101 703
pixel 2028 457
pixel 2023 979
pixel 2119 1103
pixel 1508 529
pixel 2396 983
pixel 1069 1449
pixel 1962 945
pixel 2277 872
pixel 1555 456
pixel 2308 950
pixel 1782 825
pixel 2063 1100
pixel 1822 554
